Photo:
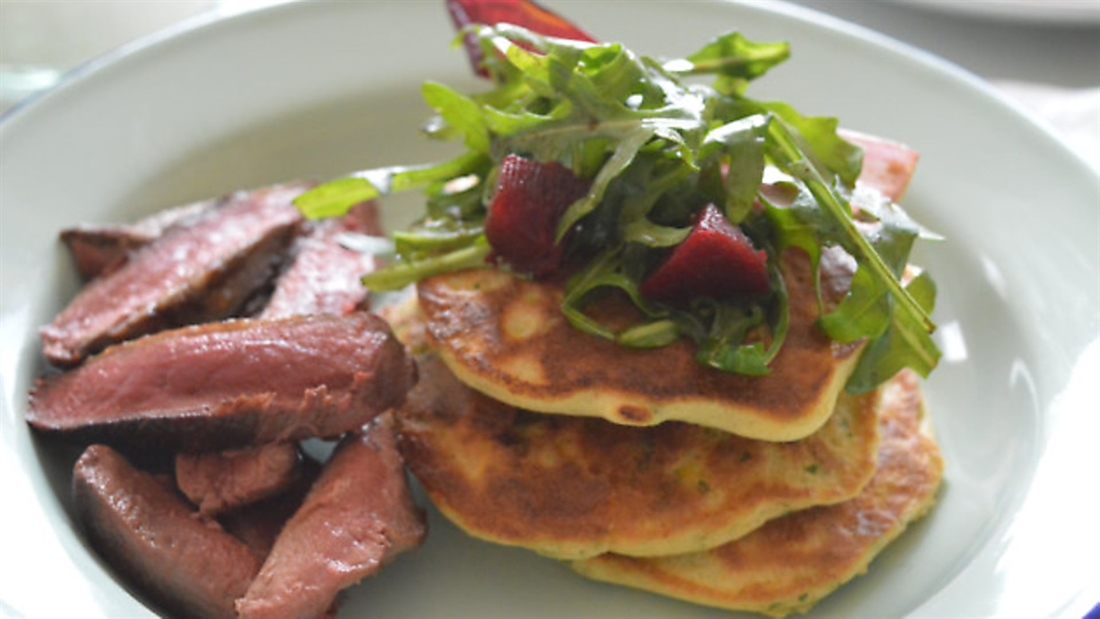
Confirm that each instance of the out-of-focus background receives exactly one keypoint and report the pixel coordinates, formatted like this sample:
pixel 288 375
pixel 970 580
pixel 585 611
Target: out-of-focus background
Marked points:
pixel 1043 54
pixel 42 40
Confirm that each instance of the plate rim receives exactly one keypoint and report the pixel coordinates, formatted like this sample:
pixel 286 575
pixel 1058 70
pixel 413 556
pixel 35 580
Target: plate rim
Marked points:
pixel 928 60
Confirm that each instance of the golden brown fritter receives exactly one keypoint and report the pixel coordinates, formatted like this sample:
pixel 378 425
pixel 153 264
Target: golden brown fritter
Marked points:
pixel 573 487
pixel 792 562
pixel 507 338
pixel 407 323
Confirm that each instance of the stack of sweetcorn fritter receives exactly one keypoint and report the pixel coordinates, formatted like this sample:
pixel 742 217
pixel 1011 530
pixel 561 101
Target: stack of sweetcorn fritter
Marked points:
pixel 666 333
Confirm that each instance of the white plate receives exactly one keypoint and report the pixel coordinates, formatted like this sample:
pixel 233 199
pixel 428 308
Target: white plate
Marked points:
pixel 1062 12
pixel 316 89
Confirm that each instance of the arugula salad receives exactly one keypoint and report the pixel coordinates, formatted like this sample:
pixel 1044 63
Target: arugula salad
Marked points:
pixel 607 170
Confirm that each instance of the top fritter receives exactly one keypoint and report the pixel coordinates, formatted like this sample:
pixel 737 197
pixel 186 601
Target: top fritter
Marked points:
pixel 610 179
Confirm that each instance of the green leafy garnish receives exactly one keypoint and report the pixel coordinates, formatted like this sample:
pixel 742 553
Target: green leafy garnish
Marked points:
pixel 657 147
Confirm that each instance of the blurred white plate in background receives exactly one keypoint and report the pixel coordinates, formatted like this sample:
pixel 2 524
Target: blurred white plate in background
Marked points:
pixel 1063 12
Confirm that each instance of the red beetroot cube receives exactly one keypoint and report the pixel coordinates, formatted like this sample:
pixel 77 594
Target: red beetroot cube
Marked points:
pixel 523 216
pixel 716 260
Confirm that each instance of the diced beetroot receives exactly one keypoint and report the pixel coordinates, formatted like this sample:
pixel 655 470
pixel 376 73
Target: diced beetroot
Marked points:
pixel 716 260
pixel 524 213
pixel 523 13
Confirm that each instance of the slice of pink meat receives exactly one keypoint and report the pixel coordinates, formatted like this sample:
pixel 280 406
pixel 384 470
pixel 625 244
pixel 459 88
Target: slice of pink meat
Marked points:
pixel 230 384
pixel 100 248
pixel 194 273
pixel 258 524
pixel 325 277
pixel 152 537
pixel 357 517
pixel 221 480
